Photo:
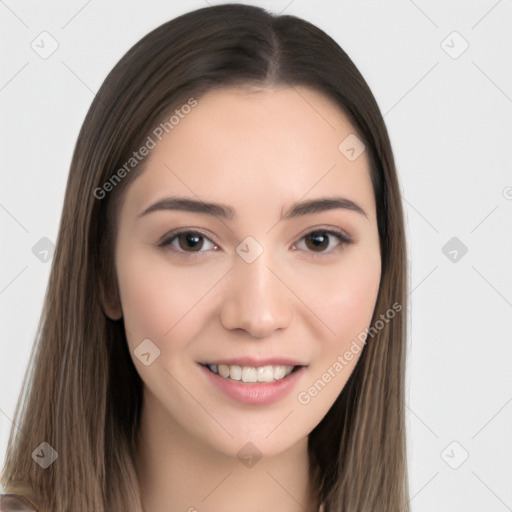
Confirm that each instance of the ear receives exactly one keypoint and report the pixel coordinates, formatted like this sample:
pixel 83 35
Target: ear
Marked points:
pixel 110 302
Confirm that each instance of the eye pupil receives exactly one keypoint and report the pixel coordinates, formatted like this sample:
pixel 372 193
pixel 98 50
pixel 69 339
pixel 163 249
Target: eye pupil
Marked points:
pixel 192 241
pixel 318 240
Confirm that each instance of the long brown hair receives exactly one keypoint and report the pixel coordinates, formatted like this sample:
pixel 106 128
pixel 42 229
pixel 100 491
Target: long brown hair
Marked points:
pixel 81 393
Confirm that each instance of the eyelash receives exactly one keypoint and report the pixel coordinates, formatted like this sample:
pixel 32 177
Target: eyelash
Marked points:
pixel 340 235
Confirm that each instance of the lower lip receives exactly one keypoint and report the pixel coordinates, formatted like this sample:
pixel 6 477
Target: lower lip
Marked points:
pixel 255 393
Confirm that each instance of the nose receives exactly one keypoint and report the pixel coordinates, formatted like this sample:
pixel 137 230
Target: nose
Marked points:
pixel 256 300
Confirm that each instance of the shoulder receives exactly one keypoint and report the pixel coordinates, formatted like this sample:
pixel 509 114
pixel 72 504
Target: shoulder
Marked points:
pixel 15 503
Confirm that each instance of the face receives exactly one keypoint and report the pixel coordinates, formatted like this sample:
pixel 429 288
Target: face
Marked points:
pixel 280 274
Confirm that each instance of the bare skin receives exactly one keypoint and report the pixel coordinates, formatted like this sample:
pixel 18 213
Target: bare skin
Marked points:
pixel 259 152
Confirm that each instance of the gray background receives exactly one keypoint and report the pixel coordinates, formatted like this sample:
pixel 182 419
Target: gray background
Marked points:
pixel 449 115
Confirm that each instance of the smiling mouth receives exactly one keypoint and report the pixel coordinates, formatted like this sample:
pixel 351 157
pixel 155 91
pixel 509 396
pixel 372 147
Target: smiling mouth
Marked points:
pixel 252 374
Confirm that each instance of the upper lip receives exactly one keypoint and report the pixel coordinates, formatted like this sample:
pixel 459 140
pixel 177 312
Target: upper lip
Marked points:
pixel 253 361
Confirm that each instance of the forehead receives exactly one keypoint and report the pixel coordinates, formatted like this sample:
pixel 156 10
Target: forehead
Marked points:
pixel 241 143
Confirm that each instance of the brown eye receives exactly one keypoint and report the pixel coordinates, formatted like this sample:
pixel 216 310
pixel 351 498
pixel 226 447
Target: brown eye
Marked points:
pixel 323 241
pixel 317 241
pixel 189 241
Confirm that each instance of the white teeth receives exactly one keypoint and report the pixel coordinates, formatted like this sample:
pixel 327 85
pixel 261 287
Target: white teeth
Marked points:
pixel 251 373
pixel 235 372
pixel 265 374
pixel 223 370
pixel 279 372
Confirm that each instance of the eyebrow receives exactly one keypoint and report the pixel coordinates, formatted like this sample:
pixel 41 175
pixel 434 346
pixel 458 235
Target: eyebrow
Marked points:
pixel 227 212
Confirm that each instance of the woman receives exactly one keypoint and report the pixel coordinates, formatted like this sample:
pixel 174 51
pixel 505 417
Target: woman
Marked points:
pixel 224 325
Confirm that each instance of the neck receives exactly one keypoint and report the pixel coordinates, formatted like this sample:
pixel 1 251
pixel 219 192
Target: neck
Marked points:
pixel 178 472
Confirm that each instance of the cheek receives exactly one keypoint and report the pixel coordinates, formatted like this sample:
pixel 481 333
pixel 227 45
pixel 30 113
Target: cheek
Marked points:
pixel 353 303
pixel 346 306
pixel 147 300
pixel 159 297
pixel 343 296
